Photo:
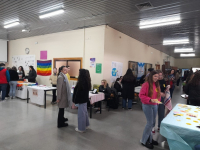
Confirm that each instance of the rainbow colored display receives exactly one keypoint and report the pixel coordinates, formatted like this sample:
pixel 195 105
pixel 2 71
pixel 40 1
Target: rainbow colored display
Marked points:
pixel 44 68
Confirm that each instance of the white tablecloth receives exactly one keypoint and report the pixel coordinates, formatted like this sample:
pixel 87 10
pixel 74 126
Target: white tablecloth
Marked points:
pixel 36 93
pixel 96 97
pixel 21 91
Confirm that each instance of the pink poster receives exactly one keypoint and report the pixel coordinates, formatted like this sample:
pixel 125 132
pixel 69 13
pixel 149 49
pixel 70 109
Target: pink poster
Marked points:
pixel 43 54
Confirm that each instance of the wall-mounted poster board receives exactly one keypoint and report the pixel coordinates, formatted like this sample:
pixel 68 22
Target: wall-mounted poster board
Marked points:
pixel 138 68
pixel 23 60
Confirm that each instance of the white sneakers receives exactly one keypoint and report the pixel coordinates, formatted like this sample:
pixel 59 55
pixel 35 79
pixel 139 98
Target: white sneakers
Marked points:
pixel 77 130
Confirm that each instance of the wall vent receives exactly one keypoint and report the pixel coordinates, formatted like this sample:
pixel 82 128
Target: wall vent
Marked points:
pixel 144 6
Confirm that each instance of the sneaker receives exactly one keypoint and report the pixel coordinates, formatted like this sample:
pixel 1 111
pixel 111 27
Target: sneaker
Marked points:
pixel 148 145
pixel 77 130
pixel 64 125
pixel 130 109
pixel 153 130
pixel 6 98
pixel 55 102
pixel 123 108
pixel 154 142
pixel 97 112
pixel 88 127
pixel 65 119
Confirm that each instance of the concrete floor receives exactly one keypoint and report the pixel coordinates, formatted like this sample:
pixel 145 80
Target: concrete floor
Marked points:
pixel 30 127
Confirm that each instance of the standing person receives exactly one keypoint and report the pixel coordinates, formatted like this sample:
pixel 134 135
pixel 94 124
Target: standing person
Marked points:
pixel 4 80
pixel 21 73
pixel 81 97
pixel 149 95
pixel 67 74
pixel 13 81
pixel 192 90
pixel 32 74
pixel 63 96
pixel 161 108
pixel 177 77
pixel 8 87
pixel 172 81
pixel 53 78
pixel 128 83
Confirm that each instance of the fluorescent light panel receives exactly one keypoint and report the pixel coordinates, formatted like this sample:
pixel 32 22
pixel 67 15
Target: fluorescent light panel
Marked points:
pixel 176 41
pixel 160 22
pixel 183 50
pixel 24 30
pixel 52 13
pixel 187 55
pixel 11 24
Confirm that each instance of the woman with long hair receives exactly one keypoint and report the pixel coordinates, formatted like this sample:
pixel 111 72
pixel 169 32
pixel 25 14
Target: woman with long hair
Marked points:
pixel 128 83
pixel 172 81
pixel 192 90
pixel 81 97
pixel 150 94
pixel 21 73
pixel 32 74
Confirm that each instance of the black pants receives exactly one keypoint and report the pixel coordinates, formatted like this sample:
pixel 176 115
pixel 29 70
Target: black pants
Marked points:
pixel 61 119
pixel 195 102
pixel 177 83
pixel 54 94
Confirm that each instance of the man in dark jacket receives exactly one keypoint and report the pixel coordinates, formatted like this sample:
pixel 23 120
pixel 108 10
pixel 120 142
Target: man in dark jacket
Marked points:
pixel 4 79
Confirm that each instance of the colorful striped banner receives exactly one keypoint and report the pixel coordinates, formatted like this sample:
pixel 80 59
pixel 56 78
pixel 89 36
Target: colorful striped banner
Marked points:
pixel 44 68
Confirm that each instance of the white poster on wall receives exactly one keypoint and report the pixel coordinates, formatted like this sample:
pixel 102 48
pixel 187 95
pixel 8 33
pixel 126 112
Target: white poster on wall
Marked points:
pixel 23 60
pixel 140 70
pixel 116 70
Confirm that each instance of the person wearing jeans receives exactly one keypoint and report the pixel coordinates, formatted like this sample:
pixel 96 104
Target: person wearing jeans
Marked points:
pixel 150 95
pixel 13 81
pixel 128 84
pixel 4 79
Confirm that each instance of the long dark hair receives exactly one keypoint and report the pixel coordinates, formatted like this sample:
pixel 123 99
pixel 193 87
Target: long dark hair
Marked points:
pixel 171 71
pixel 129 77
pixel 196 79
pixel 32 68
pixel 14 68
pixel 22 69
pixel 150 81
pixel 60 69
pixel 84 81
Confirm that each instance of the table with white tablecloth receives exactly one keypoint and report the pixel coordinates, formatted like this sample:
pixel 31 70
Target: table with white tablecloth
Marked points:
pixel 37 94
pixel 21 90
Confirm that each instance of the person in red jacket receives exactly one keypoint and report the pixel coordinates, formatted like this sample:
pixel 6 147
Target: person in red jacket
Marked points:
pixel 4 79
pixel 150 95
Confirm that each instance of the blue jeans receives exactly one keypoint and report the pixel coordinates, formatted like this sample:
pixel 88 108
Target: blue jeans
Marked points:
pixel 150 112
pixel 129 103
pixel 13 86
pixel 197 147
pixel 3 89
pixel 161 111
pixel 83 120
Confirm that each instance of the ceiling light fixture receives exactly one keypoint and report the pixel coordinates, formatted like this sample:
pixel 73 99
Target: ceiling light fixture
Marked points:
pixel 11 24
pixel 24 30
pixel 187 55
pixel 52 13
pixel 176 41
pixel 164 21
pixel 183 50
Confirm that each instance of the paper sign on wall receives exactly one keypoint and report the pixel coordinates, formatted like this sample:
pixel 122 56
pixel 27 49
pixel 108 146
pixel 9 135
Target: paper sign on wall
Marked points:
pixel 116 70
pixel 23 60
pixel 140 70
pixel 98 68
pixel 92 62
pixel 43 54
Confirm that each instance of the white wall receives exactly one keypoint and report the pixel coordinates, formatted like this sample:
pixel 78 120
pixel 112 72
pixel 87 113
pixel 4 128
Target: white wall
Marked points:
pixel 122 48
pixel 64 45
pixel 187 62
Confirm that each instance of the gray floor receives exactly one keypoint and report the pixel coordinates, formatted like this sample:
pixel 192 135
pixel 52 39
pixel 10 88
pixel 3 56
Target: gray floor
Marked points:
pixel 30 127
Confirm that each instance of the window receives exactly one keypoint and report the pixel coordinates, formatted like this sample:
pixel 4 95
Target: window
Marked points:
pixel 74 63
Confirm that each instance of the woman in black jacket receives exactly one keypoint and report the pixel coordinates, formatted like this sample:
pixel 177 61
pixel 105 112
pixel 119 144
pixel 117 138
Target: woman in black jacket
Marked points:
pixel 118 86
pixel 21 73
pixel 192 90
pixel 32 74
pixel 128 83
pixel 81 97
pixel 13 81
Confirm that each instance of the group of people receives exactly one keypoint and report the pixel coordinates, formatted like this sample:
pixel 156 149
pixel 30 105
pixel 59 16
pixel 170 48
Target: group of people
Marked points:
pixel 9 78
